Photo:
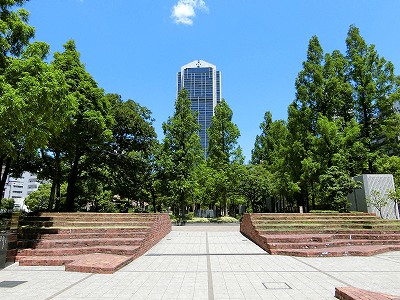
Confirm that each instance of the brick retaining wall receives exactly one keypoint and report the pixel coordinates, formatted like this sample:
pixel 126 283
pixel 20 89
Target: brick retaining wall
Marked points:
pixel 248 229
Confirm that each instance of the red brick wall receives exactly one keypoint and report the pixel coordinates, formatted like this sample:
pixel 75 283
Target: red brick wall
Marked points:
pixel 160 227
pixel 248 230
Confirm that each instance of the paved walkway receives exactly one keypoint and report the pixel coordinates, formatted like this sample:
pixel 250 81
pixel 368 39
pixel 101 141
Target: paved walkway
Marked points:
pixel 208 262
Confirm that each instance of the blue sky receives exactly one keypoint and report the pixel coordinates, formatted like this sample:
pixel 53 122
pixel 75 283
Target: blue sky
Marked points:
pixel 136 47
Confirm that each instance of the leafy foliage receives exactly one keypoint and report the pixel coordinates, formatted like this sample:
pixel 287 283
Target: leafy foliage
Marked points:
pixel 39 199
pixel 336 185
pixel 181 154
pixel 224 156
pixel 377 200
pixel 101 153
pixel 341 123
pixel 6 205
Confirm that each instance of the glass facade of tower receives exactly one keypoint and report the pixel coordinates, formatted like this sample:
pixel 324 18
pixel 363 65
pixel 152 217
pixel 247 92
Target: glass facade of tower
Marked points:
pixel 203 82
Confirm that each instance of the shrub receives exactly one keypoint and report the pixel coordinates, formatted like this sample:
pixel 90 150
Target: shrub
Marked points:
pixel 39 199
pixel 199 220
pixel 190 216
pixel 6 205
pixel 225 220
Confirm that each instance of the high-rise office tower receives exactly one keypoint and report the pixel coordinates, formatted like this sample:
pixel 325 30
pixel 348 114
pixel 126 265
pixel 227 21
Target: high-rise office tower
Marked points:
pixel 203 82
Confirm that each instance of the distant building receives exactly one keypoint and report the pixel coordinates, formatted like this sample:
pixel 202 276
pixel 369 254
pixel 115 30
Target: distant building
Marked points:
pixel 396 106
pixel 203 82
pixel 19 188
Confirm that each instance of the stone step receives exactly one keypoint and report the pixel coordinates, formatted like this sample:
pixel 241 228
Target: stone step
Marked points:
pixel 118 250
pixel 294 238
pixel 319 226
pixel 259 222
pixel 93 215
pixel 342 237
pixel 353 293
pixel 73 243
pixel 89 218
pixel 90 263
pixel 330 244
pixel 291 216
pixel 45 260
pixel 302 238
pixel 98 243
pixel 369 236
pixel 99 263
pixel 77 230
pixel 77 233
pixel 366 250
pixel 318 219
pixel 82 223
pixel 87 235
pixel 343 231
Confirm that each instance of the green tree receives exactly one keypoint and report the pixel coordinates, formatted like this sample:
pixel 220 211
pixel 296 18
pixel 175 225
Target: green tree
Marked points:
pixel 377 200
pixel 181 153
pixel 336 186
pixel 15 34
pixel 302 122
pixel 394 195
pixel 223 151
pixel 204 187
pixel 39 200
pixel 271 151
pixel 299 154
pixel 89 128
pixel 6 205
pixel 389 165
pixel 263 146
pixel 337 99
pixel 31 106
pixel 131 152
pixel 256 186
pixel 374 92
pixel 337 143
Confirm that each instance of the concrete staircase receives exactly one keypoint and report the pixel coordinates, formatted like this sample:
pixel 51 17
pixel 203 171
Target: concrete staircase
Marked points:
pixel 322 234
pixel 88 242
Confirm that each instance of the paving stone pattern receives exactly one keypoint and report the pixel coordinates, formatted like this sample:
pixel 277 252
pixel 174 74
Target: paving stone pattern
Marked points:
pixel 210 262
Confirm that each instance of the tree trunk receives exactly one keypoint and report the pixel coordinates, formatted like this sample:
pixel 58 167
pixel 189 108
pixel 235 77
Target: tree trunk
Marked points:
pixel 72 180
pixel 312 196
pixel 52 170
pixel 57 179
pixel 52 195
pixel 58 194
pixel 4 175
pixel 225 202
pixel 1 177
pixel 153 197
pixel 182 205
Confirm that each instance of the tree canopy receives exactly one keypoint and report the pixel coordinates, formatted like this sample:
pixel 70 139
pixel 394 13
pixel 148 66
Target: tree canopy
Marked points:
pixel 99 152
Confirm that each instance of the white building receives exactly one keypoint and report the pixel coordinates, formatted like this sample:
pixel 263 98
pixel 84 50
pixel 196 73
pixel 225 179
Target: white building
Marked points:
pixel 19 188
pixel 397 106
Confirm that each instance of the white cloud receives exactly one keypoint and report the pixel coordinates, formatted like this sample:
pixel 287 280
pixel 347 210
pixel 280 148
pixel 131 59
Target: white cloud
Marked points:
pixel 184 11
